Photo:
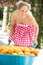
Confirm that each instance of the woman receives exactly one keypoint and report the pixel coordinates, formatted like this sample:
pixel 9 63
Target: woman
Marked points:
pixel 24 28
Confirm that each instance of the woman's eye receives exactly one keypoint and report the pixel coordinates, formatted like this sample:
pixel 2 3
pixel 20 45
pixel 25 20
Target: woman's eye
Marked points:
pixel 22 10
pixel 26 10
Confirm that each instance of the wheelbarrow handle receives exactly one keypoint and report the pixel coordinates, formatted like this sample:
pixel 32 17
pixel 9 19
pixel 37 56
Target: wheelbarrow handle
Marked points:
pixel 34 46
pixel 9 42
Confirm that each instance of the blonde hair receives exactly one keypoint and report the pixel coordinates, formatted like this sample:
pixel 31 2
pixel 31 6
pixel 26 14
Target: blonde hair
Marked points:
pixel 22 3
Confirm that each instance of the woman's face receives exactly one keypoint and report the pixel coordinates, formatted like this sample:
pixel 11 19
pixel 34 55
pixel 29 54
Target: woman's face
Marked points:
pixel 23 10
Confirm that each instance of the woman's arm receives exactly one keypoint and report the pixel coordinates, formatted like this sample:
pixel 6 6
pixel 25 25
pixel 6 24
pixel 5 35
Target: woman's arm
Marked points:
pixel 31 19
pixel 13 21
pixel 37 29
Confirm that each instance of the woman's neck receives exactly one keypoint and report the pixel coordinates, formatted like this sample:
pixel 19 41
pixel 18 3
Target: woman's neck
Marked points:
pixel 22 19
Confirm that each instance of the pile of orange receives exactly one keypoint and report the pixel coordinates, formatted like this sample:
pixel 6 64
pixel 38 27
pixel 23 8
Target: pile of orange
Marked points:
pixel 18 50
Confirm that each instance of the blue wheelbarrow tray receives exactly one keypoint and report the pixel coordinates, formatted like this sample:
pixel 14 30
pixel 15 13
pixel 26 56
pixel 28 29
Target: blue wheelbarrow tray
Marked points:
pixel 7 59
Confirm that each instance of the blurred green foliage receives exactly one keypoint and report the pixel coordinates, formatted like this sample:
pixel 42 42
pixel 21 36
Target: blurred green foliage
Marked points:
pixel 1 13
pixel 37 10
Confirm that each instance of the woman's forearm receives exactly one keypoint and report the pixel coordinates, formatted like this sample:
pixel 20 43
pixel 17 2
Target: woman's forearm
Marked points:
pixel 11 29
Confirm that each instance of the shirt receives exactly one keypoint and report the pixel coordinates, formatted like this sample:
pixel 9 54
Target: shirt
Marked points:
pixel 23 35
